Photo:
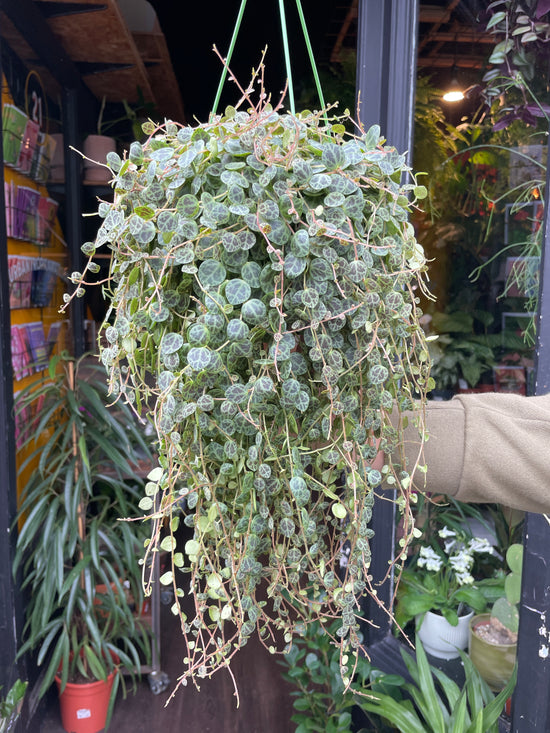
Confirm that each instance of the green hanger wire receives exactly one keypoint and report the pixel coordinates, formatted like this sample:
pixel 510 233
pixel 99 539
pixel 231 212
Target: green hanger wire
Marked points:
pixel 229 55
pixel 287 56
pixel 285 51
pixel 310 54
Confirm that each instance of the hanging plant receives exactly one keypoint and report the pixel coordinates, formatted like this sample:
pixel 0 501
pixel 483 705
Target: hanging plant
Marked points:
pixel 263 311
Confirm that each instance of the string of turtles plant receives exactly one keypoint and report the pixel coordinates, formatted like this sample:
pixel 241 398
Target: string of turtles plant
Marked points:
pixel 264 311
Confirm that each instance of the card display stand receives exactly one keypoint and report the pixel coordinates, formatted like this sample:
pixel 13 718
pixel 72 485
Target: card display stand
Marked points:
pixel 27 148
pixel 36 254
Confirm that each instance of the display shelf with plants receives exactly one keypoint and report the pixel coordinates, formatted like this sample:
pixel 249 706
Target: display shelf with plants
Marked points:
pixel 76 561
pixel 264 312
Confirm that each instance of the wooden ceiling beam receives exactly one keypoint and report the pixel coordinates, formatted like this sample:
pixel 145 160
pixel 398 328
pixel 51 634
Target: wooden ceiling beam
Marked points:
pixel 441 61
pixel 444 18
pixel 464 35
pixel 31 24
pixel 351 16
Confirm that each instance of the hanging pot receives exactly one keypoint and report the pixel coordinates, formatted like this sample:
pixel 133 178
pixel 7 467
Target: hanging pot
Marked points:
pixel 96 148
pixel 84 706
pixel 439 638
pixel 494 661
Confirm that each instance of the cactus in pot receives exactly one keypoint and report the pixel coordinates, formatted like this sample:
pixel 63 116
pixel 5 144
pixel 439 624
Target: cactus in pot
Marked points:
pixel 505 609
pixel 493 637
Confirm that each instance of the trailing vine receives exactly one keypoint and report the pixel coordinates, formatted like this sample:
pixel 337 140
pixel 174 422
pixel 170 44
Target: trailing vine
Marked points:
pixel 263 311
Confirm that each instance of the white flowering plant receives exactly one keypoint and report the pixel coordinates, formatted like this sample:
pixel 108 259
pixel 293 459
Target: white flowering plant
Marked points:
pixel 440 578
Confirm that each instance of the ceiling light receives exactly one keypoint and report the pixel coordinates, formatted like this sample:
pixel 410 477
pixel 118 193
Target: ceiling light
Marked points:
pixel 454 93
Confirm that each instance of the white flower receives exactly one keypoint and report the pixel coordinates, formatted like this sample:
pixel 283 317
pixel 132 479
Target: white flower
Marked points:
pixel 429 559
pixel 450 546
pixel 446 532
pixel 480 544
pixel 464 578
pixel 461 562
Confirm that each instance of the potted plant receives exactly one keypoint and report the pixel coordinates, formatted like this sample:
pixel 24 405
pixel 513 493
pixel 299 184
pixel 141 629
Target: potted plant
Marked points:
pixel 312 667
pixel 95 150
pixel 97 146
pixel 493 636
pixel 263 306
pixel 77 563
pixel 432 702
pixel 437 590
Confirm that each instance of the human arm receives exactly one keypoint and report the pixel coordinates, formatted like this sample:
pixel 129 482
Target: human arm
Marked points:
pixel 489 447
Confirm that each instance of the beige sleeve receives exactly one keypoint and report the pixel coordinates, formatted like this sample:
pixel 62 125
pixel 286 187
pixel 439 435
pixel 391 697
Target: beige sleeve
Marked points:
pixel 490 447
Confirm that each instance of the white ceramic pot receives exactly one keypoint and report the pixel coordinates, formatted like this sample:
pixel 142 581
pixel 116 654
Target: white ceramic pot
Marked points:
pixel 439 638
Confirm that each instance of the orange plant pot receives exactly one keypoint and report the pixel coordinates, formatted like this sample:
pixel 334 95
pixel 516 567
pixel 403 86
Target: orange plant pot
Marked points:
pixel 84 706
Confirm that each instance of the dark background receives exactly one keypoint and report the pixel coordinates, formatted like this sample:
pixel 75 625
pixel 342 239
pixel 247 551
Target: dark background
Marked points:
pixel 192 29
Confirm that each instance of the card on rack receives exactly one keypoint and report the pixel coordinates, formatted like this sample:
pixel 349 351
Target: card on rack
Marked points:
pixel 27 213
pixel 28 147
pixel 47 212
pixel 11 212
pixel 7 205
pixel 43 157
pixel 20 275
pixel 53 335
pixel 14 123
pixel 43 286
pixel 20 352
pixel 39 348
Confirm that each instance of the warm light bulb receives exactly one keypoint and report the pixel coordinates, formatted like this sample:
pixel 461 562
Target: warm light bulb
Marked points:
pixel 454 95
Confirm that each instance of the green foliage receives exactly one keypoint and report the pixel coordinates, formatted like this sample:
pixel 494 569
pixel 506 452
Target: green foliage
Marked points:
pixel 322 702
pixel 438 704
pixel 313 667
pixel 80 456
pixel 10 706
pixel 264 313
pixel 506 608
pixel 522 31
pixel 465 348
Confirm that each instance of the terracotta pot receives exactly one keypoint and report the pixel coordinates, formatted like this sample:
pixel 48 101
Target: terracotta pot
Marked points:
pixel 494 662
pixel 96 148
pixel 440 638
pixel 84 707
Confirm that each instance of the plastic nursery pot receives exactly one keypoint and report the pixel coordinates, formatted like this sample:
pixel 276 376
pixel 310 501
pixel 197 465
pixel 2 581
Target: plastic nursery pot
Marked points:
pixel 84 706
pixel 495 662
pixel 439 638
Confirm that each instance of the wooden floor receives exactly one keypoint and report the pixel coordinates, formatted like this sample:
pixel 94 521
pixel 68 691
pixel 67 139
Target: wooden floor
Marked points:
pixel 265 703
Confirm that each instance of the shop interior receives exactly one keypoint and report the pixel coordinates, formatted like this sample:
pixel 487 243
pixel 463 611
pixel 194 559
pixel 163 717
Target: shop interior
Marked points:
pixel 112 72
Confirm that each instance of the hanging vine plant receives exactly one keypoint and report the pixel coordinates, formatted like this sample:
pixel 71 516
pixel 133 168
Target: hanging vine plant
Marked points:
pixel 263 311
